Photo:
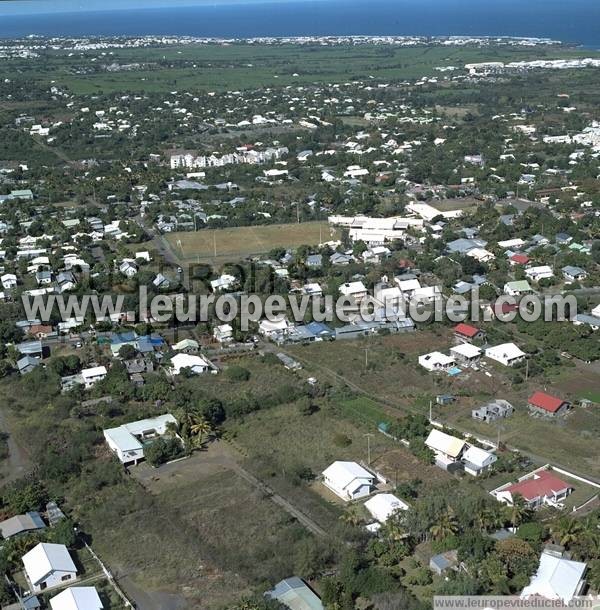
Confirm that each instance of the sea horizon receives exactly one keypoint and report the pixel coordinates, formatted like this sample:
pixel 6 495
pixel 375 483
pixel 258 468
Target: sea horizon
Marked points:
pixel 572 23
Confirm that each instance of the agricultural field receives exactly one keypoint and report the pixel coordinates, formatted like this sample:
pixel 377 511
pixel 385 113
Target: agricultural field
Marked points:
pixel 232 244
pixel 222 67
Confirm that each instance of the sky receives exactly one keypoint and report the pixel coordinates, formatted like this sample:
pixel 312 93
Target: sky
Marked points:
pixel 24 7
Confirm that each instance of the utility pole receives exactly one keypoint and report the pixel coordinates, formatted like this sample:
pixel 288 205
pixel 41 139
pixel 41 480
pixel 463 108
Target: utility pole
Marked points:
pixel 430 411
pixel 215 243
pixel 368 435
pixel 298 211
pixel 527 369
pixel 366 357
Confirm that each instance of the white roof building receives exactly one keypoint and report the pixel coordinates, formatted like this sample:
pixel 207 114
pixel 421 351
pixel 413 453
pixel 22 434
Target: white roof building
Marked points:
pixel 477 460
pixel 556 578
pixel 543 272
pixel 445 446
pixel 197 364
pixel 77 598
pixel 465 352
pixel 506 354
pixel 223 282
pixel 353 289
pixel 48 565
pixel 348 480
pixel 383 506
pixel 92 375
pixel 436 361
pixel 126 440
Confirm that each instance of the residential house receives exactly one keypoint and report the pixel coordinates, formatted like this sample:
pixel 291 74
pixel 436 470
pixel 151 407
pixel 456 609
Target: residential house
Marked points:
pixel 518 259
pixel 448 560
pixel 340 259
pixel 9 281
pixel 161 282
pixel 21 524
pixel 77 598
pixel 517 288
pixel 383 506
pixel 547 405
pixel 186 346
pixel 26 364
pixel 195 363
pixel 493 411
pixel 127 441
pixel 295 594
pixel 466 354
pixel 574 274
pixel 314 261
pixel 448 449
pixel 557 578
pixel 543 272
pixel 583 319
pixel 275 330
pixel 65 281
pixel 467 333
pixel 348 480
pixel 354 290
pixel 223 333
pixel 436 361
pixel 540 488
pixel 223 282
pixel 507 354
pixel 128 268
pixel 93 375
pixel 48 565
pixel 476 460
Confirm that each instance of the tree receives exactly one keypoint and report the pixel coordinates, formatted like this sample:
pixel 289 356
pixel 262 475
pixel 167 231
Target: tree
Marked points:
pixel 237 373
pixel 199 429
pixel 25 495
pixel 162 450
pixel 567 531
pixel 63 533
pixel 445 526
pixel 518 511
pixel 213 411
pixel 127 352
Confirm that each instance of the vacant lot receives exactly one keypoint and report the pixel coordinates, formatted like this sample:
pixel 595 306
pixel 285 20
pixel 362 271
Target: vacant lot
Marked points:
pixel 239 242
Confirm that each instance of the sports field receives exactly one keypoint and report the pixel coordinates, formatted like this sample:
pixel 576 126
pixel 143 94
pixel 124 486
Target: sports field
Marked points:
pixel 234 243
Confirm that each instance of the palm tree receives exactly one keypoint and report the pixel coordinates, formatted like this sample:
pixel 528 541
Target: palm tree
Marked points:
pixel 567 531
pixel 199 428
pixel 351 516
pixel 446 525
pixel 518 511
pixel 488 519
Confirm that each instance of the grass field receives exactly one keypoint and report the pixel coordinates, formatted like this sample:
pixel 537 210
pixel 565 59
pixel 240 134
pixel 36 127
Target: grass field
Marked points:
pixel 238 242
pixel 219 67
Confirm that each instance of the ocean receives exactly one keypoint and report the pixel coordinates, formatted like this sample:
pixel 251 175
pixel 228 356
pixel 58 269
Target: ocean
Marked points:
pixel 573 21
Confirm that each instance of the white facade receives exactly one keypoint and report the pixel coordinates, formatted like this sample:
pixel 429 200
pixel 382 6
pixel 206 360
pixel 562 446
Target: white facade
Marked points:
pixel 383 506
pixel 48 565
pixel 126 440
pixel 77 598
pixel 197 364
pixel 436 361
pixel 507 354
pixel 535 274
pixel 477 460
pixel 93 375
pixel 557 578
pixel 348 480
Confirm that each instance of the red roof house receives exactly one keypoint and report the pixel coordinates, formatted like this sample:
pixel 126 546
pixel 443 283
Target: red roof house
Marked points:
pixel 544 487
pixel 467 332
pixel 546 404
pixel 519 259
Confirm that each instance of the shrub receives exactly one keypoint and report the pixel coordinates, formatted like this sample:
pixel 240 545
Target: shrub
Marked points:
pixel 237 373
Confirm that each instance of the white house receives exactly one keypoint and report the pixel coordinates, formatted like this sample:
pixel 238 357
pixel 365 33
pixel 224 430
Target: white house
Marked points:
pixel 48 565
pixel 543 272
pixel 9 281
pixel 477 460
pixel 408 287
pixel 93 375
pixel 128 268
pixel 466 353
pixel 383 506
pixel 127 440
pixel 77 598
pixel 507 354
pixel 436 361
pixel 556 578
pixel 273 329
pixel 348 480
pixel 197 364
pixel 356 290
pixel 223 333
pixel 448 449
pixel 223 282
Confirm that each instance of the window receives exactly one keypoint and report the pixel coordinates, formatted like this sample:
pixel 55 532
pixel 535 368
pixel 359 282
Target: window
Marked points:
pixel 66 577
